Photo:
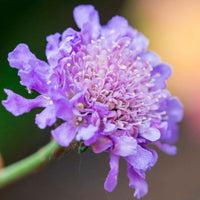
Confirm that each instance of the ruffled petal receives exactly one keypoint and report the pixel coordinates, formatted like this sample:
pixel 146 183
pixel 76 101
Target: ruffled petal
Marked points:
pixel 20 56
pixel 151 58
pixel 154 154
pixel 85 133
pixel 63 107
pixel 124 145
pixel 151 134
pixel 116 27
pixel 109 128
pixel 87 17
pixel 47 117
pixel 95 119
pixel 137 182
pixel 33 72
pixel 169 149
pixel 143 159
pixel 111 180
pixel 52 49
pixel 71 40
pixel 72 34
pixel 169 133
pixel 101 144
pixel 139 44
pixel 18 105
pixel 161 73
pixel 64 134
pixel 175 110
pixel 101 108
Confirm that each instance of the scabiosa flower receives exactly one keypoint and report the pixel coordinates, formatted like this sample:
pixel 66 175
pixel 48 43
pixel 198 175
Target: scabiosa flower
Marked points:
pixel 108 90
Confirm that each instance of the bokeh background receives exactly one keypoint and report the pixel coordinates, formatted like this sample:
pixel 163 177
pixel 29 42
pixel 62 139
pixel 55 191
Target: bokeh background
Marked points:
pixel 173 27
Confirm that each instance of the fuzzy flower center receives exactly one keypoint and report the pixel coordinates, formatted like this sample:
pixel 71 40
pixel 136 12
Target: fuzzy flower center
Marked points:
pixel 114 76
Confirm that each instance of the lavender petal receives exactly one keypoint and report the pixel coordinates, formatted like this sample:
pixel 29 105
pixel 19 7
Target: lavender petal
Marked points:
pixel 111 180
pixel 64 134
pixel 137 182
pixel 33 72
pixel 18 105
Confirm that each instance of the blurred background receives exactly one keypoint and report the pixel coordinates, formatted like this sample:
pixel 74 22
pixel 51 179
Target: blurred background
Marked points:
pixel 173 28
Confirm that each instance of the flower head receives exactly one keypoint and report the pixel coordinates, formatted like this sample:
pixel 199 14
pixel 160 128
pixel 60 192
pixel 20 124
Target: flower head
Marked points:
pixel 107 88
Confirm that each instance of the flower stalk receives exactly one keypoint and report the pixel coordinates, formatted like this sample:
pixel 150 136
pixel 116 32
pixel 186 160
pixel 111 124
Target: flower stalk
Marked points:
pixel 27 165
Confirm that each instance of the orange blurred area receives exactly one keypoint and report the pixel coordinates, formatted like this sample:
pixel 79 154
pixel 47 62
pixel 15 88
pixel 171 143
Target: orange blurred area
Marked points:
pixel 1 162
pixel 173 28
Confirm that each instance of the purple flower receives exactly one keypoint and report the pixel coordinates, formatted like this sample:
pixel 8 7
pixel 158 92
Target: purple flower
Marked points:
pixel 107 88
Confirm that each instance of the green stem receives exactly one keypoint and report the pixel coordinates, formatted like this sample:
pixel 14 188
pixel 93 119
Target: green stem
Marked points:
pixel 25 166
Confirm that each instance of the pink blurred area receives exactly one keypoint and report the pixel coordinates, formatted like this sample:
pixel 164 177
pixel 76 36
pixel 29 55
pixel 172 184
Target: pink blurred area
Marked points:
pixel 173 28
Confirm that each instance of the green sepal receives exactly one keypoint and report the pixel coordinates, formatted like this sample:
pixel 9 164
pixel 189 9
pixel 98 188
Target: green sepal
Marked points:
pixel 82 148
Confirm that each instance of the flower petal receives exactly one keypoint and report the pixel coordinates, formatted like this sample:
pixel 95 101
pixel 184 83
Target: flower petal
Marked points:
pixel 143 159
pixel 20 56
pixel 95 119
pixel 85 133
pixel 64 134
pixel 140 43
pixel 63 107
pixel 70 41
pixel 109 128
pixel 137 182
pixel 33 72
pixel 101 144
pixel 169 149
pixel 52 49
pixel 47 117
pixel 111 180
pixel 154 154
pixel 150 57
pixel 18 105
pixel 169 133
pixel 101 108
pixel 151 134
pixel 124 145
pixel 175 110
pixel 160 73
pixel 117 26
pixel 86 15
